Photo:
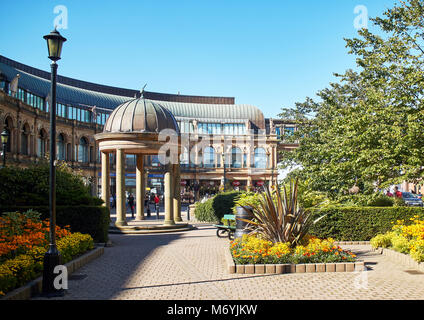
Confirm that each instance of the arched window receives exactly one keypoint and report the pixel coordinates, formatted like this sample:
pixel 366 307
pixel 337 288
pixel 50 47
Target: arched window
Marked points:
pixel 41 143
pixel 83 150
pixel 24 139
pixel 184 158
pixel 209 157
pixel 260 158
pixel 236 157
pixel 61 148
pixel 69 152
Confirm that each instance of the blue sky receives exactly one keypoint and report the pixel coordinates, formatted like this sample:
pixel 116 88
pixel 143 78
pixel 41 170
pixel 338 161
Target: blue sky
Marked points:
pixel 266 53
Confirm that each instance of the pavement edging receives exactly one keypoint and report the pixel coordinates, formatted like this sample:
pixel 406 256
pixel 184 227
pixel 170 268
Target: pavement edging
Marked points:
pixel 291 268
pixel 34 287
pixel 401 258
pixel 345 243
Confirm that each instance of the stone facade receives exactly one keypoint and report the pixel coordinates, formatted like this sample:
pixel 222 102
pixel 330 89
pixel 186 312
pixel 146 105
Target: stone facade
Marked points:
pixel 29 130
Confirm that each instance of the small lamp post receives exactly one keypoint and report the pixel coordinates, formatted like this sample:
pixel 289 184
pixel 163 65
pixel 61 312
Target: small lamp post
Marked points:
pixel 52 257
pixel 4 140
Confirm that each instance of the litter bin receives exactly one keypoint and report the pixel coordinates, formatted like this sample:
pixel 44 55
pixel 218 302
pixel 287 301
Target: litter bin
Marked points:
pixel 244 213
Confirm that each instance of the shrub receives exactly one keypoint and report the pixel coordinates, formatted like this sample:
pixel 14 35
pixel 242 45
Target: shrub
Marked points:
pixel 405 237
pixel 22 267
pixel 73 245
pixel 382 240
pixel 204 211
pixel 400 244
pixel 223 203
pixel 380 200
pixel 358 223
pixel 278 217
pixel 30 186
pixel 212 210
pixel 93 220
pixel 8 281
pixel 246 199
pixel 399 202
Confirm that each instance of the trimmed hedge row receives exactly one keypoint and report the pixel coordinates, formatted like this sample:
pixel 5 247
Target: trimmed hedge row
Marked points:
pixel 359 223
pixel 92 220
pixel 215 208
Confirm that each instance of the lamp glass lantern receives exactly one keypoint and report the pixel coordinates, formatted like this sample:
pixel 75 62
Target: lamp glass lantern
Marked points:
pixel 4 137
pixel 54 44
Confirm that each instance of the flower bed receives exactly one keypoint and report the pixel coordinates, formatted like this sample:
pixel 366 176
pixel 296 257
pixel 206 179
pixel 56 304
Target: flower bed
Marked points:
pixel 251 250
pixel 23 243
pixel 405 237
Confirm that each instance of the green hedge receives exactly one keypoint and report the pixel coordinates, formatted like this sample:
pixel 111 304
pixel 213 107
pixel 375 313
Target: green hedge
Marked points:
pixel 359 223
pixel 92 220
pixel 30 186
pixel 215 208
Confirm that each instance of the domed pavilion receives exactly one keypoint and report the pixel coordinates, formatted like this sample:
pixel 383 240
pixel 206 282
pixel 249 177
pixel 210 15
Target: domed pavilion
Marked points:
pixel 141 127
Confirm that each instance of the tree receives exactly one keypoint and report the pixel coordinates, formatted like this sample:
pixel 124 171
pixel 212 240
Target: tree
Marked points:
pixel 367 129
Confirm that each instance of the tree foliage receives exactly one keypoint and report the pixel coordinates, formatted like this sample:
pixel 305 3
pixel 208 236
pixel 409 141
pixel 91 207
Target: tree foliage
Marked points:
pixel 367 129
pixel 30 186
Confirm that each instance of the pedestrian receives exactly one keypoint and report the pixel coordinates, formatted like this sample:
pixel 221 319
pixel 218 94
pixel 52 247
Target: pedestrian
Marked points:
pixel 398 194
pixel 388 193
pixel 156 199
pixel 131 204
pixel 147 204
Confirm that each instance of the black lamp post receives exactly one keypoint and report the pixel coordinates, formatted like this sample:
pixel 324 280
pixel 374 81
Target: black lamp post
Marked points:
pixel 223 162
pixel 4 140
pixel 52 257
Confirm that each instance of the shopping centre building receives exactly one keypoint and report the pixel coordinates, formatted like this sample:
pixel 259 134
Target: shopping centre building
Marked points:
pixel 224 144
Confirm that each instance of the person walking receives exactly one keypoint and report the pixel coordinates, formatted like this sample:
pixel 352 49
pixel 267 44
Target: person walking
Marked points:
pixel 157 200
pixel 131 204
pixel 398 194
pixel 147 203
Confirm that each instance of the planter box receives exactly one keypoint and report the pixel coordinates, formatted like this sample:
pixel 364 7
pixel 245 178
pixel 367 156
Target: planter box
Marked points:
pixel 401 258
pixel 291 268
pixel 34 287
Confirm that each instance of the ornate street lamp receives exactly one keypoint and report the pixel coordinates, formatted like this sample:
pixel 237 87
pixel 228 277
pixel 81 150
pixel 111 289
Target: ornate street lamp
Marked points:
pixel 52 257
pixel 4 140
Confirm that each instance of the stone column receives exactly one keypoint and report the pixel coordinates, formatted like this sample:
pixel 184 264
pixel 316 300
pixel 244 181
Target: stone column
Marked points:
pixel 106 179
pixel 140 187
pixel 177 193
pixel 249 183
pixel 121 210
pixel 169 206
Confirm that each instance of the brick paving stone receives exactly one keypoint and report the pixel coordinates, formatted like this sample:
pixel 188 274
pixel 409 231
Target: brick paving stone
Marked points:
pixel 191 265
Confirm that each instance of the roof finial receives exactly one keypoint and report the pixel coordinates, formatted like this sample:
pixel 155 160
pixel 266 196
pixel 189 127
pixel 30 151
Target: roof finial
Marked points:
pixel 142 91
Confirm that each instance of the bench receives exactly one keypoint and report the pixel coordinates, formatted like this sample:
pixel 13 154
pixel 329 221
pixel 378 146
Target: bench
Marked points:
pixel 223 229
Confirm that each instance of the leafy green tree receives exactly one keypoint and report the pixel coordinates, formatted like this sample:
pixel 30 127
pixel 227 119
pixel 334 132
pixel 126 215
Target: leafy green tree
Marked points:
pixel 367 129
pixel 30 186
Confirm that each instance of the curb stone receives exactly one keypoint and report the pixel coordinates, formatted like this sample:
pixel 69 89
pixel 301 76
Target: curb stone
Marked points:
pixel 401 258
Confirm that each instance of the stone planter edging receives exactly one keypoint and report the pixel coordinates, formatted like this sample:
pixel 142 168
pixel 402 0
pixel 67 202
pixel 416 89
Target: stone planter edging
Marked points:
pixel 344 243
pixel 291 268
pixel 401 258
pixel 34 287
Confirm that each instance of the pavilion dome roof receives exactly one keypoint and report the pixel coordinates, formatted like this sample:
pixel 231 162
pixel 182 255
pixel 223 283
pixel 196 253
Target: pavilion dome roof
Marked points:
pixel 140 115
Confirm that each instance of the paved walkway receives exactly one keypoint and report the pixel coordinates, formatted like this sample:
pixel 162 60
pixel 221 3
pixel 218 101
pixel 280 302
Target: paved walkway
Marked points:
pixel 190 265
